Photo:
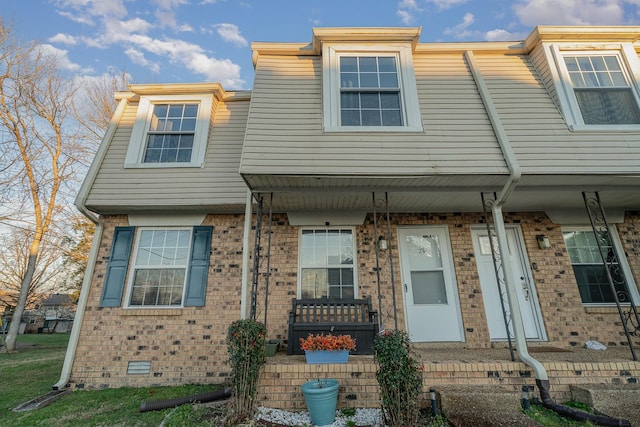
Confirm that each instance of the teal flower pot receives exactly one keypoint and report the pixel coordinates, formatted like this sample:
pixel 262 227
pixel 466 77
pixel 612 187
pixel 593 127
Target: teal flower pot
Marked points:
pixel 321 397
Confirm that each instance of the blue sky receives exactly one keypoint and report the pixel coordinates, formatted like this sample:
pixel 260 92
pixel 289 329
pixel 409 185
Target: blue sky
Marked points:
pixel 163 41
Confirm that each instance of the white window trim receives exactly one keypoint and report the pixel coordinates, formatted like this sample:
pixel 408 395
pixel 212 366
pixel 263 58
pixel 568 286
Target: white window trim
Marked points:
pixel 622 262
pixel 331 86
pixel 355 252
pixel 137 143
pixel 566 96
pixel 132 269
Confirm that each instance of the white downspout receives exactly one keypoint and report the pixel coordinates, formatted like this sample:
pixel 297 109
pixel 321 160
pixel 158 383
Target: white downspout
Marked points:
pixel 514 177
pixel 82 303
pixel 81 199
pixel 245 255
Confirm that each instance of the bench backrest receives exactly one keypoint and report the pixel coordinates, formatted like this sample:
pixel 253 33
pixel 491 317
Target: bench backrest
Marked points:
pixel 332 310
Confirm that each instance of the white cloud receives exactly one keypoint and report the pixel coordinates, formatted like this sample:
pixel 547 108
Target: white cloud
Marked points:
pixel 231 34
pixel 570 12
pixel 63 39
pixel 498 35
pixel 446 4
pixel 409 4
pixel 406 17
pixel 138 57
pixel 461 31
pixel 62 59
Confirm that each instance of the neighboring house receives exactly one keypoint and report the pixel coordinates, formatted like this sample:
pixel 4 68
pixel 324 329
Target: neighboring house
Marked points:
pixel 360 165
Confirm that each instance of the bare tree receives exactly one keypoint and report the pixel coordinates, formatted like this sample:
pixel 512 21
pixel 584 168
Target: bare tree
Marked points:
pixel 41 149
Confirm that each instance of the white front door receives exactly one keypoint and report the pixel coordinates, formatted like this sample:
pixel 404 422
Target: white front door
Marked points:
pixel 527 298
pixel 430 292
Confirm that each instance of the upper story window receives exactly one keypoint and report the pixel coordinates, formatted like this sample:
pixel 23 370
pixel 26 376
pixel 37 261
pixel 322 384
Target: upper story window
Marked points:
pixel 170 131
pixel 369 91
pixel 597 89
pixel 369 88
pixel 602 91
pixel 170 134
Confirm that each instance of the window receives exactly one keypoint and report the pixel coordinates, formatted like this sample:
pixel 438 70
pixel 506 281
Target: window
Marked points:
pixel 327 263
pixel 170 134
pixel 597 90
pixel 160 267
pixel 169 267
pixel 170 131
pixel 589 270
pixel 371 88
pixel 369 91
pixel 601 90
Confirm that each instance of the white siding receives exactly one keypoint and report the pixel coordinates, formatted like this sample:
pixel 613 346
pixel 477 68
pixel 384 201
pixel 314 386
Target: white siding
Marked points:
pixel 540 137
pixel 284 133
pixel 215 186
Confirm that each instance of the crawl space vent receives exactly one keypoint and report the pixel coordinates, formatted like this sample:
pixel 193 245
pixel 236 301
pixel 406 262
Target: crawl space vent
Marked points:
pixel 140 367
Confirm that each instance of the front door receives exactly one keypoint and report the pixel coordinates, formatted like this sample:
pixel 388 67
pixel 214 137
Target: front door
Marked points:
pixel 529 308
pixel 430 292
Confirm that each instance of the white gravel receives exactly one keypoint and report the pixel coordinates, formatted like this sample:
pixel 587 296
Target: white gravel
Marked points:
pixel 363 417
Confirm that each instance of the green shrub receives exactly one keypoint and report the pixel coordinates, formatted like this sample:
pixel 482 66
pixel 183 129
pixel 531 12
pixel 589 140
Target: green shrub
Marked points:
pixel 399 376
pixel 246 347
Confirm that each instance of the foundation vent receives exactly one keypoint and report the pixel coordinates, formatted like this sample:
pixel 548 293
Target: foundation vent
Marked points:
pixel 139 367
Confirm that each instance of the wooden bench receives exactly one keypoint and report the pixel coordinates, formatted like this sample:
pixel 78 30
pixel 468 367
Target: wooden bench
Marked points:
pixel 337 316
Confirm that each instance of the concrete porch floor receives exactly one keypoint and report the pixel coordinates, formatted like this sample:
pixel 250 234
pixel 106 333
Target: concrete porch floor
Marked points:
pixel 452 365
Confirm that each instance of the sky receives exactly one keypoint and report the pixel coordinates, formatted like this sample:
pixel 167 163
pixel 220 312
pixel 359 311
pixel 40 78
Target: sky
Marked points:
pixel 185 41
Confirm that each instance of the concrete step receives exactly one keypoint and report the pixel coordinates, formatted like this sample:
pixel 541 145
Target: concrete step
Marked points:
pixel 482 406
pixel 614 400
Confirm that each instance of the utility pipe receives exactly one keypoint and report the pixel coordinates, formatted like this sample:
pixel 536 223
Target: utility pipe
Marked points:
pixel 514 177
pixel 542 379
pixel 80 203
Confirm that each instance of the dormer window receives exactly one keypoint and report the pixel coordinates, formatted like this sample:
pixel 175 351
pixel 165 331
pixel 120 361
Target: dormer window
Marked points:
pixel 602 91
pixel 596 85
pixel 369 88
pixel 170 131
pixel 369 91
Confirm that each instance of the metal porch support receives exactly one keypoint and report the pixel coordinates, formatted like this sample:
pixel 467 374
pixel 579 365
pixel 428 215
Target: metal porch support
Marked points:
pixel 381 211
pixel 615 275
pixel 487 203
pixel 258 257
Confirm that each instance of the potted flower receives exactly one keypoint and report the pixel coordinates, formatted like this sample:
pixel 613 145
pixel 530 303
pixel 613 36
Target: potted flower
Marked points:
pixel 327 348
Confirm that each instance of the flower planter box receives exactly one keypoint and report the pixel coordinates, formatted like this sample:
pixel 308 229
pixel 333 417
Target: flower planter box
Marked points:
pixel 327 356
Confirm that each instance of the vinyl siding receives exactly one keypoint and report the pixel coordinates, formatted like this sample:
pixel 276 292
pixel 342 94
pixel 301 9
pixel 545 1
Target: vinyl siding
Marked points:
pixel 284 133
pixel 541 140
pixel 216 186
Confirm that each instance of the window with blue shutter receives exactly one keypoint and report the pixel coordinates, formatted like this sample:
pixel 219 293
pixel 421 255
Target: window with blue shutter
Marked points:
pixel 117 267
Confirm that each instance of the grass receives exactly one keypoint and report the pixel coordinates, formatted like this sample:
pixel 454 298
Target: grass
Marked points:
pixel 33 370
pixel 36 366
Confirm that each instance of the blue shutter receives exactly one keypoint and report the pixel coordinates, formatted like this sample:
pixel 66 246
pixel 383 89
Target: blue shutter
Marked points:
pixel 117 267
pixel 198 267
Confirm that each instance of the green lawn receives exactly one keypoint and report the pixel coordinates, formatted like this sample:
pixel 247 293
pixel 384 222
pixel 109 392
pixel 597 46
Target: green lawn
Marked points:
pixel 32 371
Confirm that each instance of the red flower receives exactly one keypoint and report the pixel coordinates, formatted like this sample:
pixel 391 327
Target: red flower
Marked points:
pixel 328 342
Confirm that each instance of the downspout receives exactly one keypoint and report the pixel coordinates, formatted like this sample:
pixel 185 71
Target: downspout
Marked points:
pixel 246 239
pixel 514 177
pixel 80 203
pixel 542 379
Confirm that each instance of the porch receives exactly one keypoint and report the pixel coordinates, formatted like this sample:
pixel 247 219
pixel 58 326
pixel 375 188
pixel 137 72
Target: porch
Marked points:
pixel 449 365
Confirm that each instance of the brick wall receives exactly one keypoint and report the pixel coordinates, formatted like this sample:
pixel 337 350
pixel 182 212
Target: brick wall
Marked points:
pixel 188 345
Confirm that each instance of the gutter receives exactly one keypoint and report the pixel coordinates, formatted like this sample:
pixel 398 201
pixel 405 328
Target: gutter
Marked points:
pixel 542 379
pixel 80 203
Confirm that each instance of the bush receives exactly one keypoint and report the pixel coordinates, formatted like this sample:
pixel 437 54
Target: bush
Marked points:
pixel 399 376
pixel 246 347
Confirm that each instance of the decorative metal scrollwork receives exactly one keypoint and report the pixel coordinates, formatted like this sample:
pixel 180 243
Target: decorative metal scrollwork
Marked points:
pixel 615 274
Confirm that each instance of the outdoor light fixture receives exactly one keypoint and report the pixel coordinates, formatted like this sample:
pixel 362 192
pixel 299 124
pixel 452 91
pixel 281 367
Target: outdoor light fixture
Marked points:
pixel 382 243
pixel 543 241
